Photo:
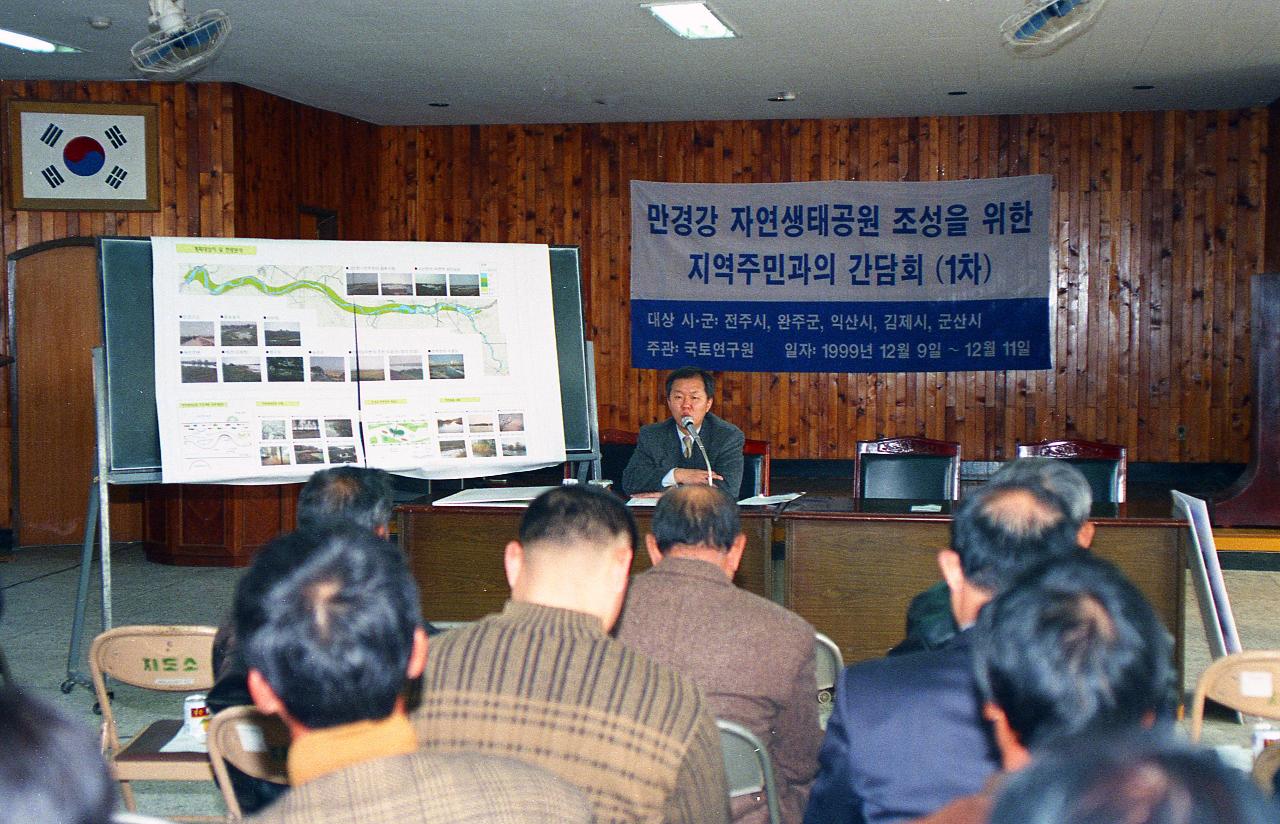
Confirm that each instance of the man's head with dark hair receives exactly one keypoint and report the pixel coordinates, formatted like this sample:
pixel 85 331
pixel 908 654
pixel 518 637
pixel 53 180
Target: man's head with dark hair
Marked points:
pixel 687 372
pixel 52 769
pixel 569 515
pixel 346 495
pixel 1002 529
pixel 1133 778
pixel 1060 479
pixel 337 633
pixel 699 522
pixel 695 516
pixel 690 394
pixel 1071 647
pixel 574 552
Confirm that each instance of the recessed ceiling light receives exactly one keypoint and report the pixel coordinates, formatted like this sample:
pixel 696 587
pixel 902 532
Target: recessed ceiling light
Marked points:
pixel 692 21
pixel 782 97
pixel 1143 87
pixel 438 105
pixel 26 42
pixel 958 93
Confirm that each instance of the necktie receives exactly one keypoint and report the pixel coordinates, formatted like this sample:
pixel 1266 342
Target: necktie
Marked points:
pixel 686 445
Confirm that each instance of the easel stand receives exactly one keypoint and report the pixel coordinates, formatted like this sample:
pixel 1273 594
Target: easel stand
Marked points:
pixel 97 517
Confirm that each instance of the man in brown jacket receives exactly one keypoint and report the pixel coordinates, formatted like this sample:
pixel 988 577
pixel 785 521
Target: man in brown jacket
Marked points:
pixel 543 682
pixel 339 635
pixel 753 658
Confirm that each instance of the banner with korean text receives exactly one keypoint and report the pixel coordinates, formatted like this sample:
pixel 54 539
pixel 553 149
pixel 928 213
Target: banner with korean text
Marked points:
pixel 841 276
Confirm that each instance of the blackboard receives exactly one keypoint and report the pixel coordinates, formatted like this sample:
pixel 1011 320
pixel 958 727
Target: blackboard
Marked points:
pixel 124 271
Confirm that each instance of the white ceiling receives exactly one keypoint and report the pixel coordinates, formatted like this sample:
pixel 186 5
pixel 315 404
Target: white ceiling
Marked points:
pixel 553 61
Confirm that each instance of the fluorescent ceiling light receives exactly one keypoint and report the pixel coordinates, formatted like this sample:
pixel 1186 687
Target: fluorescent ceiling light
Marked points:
pixel 26 42
pixel 693 21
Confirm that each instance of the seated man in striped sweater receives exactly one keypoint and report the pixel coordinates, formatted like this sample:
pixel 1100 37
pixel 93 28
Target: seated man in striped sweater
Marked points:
pixel 543 681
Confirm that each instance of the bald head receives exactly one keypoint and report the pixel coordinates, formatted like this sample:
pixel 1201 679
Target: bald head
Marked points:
pixel 1055 476
pixel 1003 529
pixel 695 516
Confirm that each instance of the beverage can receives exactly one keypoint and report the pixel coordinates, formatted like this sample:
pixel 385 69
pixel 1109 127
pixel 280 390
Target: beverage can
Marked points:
pixel 195 714
pixel 1264 735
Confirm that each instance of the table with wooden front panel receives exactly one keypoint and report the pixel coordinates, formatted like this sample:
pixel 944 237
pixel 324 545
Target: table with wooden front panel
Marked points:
pixel 852 570
pixel 456 552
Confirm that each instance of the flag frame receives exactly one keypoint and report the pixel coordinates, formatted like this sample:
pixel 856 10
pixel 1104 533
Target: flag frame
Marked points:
pixel 23 198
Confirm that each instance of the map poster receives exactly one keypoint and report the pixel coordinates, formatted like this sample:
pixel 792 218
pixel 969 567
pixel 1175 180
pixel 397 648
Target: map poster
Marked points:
pixel 276 358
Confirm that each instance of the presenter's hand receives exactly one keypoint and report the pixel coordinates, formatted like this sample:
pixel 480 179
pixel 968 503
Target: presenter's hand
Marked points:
pixel 694 476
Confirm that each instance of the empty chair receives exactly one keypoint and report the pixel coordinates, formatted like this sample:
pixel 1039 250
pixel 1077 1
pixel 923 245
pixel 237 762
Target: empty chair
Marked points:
pixel 1104 464
pixel 747 766
pixel 829 663
pixel 1265 768
pixel 255 744
pixel 1246 682
pixel 616 446
pixel 445 626
pixel 175 659
pixel 915 468
pixel 756 456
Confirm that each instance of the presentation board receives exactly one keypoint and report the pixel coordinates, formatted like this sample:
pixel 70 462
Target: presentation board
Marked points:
pixel 125 269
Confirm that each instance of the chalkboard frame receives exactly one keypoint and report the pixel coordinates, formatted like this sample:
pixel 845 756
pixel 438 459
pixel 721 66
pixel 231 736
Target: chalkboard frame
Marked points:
pixel 128 312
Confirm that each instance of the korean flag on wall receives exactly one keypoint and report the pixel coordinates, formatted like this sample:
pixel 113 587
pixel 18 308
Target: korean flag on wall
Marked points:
pixel 74 156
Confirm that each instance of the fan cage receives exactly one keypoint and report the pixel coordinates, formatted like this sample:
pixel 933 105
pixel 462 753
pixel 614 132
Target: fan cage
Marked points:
pixel 185 51
pixel 1044 26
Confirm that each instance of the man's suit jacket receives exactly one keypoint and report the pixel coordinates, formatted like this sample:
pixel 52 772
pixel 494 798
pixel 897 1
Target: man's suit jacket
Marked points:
pixel 658 452
pixel 753 658
pixel 429 788
pixel 906 737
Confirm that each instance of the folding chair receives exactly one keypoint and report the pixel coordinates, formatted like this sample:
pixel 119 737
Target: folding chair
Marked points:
pixel 1247 682
pixel 173 659
pixel 747 766
pixel 829 663
pixel 255 744
pixel 1265 767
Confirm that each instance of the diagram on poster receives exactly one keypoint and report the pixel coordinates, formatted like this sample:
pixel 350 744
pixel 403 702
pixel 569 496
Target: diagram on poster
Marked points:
pixel 275 358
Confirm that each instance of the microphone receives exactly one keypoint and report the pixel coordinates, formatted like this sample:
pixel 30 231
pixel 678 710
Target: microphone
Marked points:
pixel 687 423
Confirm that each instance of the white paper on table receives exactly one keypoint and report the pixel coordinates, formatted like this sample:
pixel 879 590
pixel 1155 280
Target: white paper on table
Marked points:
pixel 642 501
pixel 496 496
pixel 926 508
pixel 184 741
pixel 769 500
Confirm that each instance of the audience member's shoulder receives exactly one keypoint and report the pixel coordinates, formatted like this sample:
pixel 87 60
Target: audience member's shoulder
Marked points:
pixel 778 617
pixel 654 674
pixel 954 657
pixel 447 787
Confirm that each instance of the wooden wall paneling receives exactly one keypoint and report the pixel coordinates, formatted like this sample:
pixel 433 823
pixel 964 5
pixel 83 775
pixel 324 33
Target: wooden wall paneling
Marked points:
pixel 180 126
pixel 1124 262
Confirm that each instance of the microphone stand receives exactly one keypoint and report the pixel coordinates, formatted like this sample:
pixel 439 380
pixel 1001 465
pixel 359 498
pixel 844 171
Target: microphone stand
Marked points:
pixel 687 423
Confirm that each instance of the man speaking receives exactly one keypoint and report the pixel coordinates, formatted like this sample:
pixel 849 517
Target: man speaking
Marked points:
pixel 677 451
